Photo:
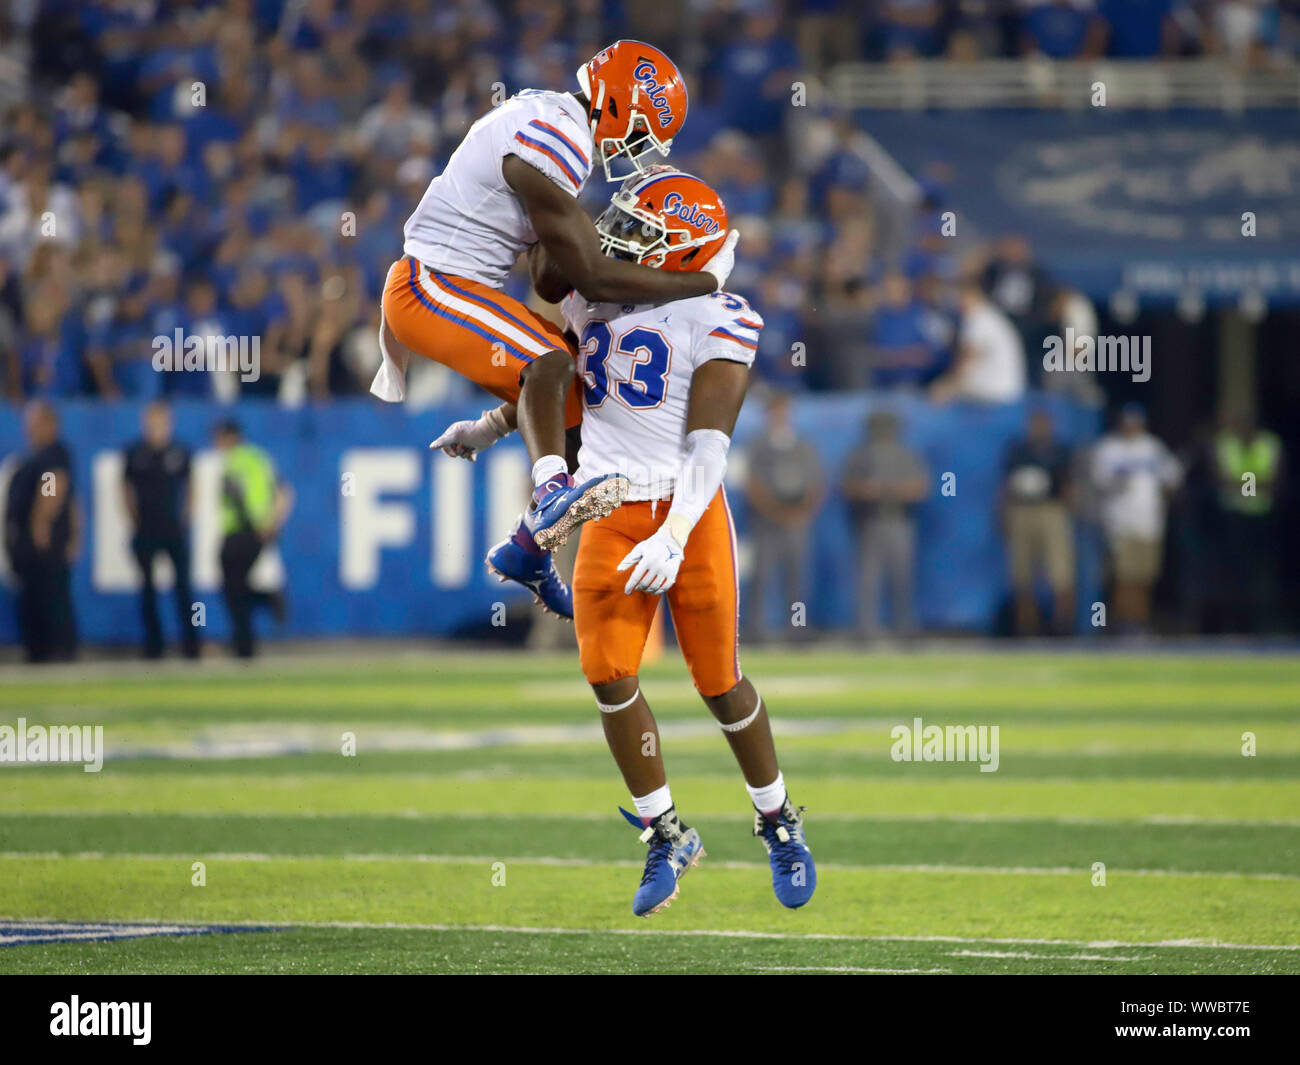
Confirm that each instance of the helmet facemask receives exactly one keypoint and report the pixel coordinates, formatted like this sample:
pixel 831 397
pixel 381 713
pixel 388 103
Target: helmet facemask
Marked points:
pixel 638 139
pixel 637 142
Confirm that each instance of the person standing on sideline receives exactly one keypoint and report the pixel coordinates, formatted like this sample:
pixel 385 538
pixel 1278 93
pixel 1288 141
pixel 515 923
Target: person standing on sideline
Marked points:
pixel 883 482
pixel 1036 503
pixel 1134 473
pixel 784 489
pixel 1249 469
pixel 254 506
pixel 156 492
pixel 42 528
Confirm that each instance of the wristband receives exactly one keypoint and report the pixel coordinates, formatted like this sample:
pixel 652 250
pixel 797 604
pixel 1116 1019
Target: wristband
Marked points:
pixel 496 421
pixel 679 526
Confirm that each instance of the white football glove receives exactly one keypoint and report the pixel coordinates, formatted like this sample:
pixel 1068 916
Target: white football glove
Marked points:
pixel 464 440
pixel 656 561
pixel 720 266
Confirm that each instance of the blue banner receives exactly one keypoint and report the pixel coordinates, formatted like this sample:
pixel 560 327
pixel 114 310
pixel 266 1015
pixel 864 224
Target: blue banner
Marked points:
pixel 387 537
pixel 1155 203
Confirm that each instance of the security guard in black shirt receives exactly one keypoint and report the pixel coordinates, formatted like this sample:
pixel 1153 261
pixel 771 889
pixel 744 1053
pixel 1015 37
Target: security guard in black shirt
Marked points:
pixel 42 529
pixel 156 490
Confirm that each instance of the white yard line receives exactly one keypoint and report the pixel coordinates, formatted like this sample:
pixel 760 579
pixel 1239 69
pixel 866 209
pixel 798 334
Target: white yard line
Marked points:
pixel 839 937
pixel 842 969
pixel 277 740
pixel 583 863
pixel 72 931
pixel 1027 956
pixel 254 740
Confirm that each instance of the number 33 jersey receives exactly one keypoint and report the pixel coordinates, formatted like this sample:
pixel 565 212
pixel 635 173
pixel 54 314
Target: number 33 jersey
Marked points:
pixel 635 366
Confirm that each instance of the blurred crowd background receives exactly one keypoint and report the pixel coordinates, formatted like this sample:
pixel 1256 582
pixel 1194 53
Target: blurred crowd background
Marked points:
pixel 197 161
pixel 244 167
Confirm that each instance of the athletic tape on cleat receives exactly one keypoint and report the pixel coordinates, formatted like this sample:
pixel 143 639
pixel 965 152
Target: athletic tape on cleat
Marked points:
pixel 608 708
pixel 736 726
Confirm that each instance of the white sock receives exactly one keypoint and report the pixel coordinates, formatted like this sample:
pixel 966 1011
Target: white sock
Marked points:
pixel 657 802
pixel 546 467
pixel 771 798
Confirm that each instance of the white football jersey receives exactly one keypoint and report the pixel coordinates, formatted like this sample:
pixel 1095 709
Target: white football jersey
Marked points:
pixel 469 222
pixel 635 366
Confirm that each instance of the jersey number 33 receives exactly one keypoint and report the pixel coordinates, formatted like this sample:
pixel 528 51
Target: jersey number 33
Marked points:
pixel 646 384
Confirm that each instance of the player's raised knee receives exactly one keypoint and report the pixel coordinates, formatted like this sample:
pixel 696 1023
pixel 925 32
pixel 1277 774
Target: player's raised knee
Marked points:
pixel 552 370
pixel 616 695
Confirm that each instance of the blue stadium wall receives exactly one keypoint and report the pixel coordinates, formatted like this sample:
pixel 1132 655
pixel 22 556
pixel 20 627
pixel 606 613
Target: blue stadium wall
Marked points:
pixel 387 537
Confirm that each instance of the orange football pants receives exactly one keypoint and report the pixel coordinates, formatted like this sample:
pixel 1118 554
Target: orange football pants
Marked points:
pixel 474 329
pixel 612 626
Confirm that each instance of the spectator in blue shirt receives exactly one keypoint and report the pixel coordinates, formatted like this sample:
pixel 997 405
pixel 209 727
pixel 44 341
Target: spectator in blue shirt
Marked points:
pixel 778 361
pixel 1057 29
pixel 758 71
pixel 50 362
pixel 901 353
pixel 169 169
pixel 249 314
pixel 321 175
pixel 202 319
pixel 911 28
pixel 1136 29
pixel 81 114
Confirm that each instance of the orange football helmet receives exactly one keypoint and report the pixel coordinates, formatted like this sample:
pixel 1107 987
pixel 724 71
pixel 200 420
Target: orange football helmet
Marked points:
pixel 636 102
pixel 665 219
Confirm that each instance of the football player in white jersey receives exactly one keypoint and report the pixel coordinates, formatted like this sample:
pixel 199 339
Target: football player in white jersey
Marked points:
pixel 662 384
pixel 512 184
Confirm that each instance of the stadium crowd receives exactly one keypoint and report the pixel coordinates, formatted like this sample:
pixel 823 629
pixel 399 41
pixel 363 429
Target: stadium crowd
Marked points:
pixel 243 167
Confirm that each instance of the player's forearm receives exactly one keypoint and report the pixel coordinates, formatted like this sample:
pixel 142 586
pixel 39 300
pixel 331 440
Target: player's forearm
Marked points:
pixel 600 279
pixel 615 281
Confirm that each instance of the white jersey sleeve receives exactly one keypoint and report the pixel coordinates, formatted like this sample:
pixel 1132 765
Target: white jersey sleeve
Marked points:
pixel 551 139
pixel 726 327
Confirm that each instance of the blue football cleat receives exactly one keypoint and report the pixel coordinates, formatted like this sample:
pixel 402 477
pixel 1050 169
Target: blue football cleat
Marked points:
pixel 794 876
pixel 510 561
pixel 563 505
pixel 674 848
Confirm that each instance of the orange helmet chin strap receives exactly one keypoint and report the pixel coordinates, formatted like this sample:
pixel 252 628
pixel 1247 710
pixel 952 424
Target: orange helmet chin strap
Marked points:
pixel 597 111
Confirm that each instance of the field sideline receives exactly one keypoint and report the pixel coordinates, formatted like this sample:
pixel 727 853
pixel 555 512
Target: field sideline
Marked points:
pixel 475 828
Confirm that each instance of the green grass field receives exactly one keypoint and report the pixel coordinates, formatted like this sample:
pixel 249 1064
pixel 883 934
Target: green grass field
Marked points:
pixel 475 828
